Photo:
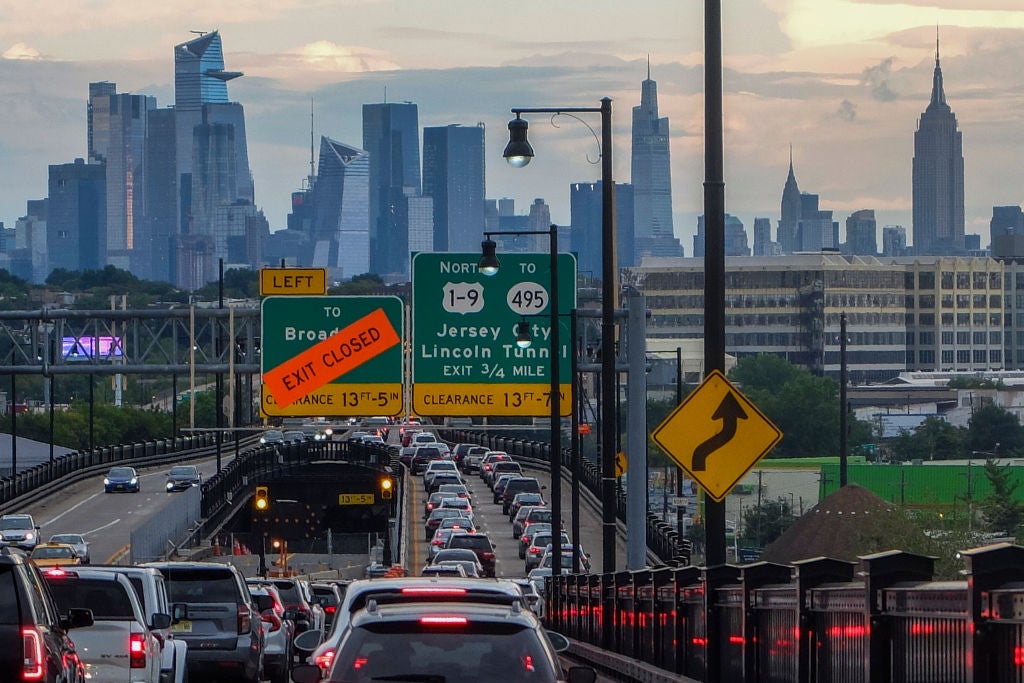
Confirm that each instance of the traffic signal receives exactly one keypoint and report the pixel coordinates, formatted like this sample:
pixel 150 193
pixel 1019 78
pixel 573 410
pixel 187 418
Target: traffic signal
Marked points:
pixel 386 486
pixel 261 501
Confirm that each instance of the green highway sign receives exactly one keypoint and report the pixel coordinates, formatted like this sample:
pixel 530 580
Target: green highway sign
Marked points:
pixel 465 360
pixel 332 355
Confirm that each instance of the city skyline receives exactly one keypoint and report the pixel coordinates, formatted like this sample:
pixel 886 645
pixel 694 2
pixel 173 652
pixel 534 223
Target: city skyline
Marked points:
pixel 844 81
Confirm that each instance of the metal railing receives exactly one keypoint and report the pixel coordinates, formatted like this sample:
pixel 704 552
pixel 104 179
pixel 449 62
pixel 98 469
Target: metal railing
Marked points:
pixel 818 620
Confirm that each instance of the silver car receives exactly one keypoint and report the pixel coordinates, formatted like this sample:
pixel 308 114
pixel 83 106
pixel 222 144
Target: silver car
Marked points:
pixel 76 541
pixel 19 530
pixel 278 632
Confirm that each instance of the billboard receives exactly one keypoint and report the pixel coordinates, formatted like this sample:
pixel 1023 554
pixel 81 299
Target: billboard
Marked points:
pixel 91 348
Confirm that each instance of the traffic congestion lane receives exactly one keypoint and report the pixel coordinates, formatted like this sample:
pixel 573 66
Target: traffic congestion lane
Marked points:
pixel 489 520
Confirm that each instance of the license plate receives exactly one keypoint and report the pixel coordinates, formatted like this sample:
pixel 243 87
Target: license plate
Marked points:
pixel 183 626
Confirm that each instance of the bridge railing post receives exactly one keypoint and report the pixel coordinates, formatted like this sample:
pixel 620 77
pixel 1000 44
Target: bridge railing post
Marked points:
pixel 994 574
pixel 768 619
pixel 881 571
pixel 808 575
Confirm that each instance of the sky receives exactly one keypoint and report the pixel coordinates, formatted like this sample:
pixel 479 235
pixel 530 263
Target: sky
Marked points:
pixel 842 81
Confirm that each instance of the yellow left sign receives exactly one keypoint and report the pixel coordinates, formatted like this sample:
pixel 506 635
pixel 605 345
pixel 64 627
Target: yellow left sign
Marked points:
pixel 293 281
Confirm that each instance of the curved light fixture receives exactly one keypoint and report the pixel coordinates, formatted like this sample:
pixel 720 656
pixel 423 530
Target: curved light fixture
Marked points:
pixel 518 151
pixel 488 260
pixel 523 337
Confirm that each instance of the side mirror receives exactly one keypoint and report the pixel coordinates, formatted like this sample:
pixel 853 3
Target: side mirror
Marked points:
pixel 307 642
pixel 558 641
pixel 160 622
pixel 581 674
pixel 179 611
pixel 77 618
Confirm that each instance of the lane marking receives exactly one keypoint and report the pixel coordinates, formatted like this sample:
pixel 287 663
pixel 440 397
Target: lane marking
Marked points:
pixel 70 509
pixel 110 524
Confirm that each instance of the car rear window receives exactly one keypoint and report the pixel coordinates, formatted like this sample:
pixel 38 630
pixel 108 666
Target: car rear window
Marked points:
pixel 475 651
pixel 473 542
pixel 288 590
pixel 106 599
pixel 264 602
pixel 8 596
pixel 201 585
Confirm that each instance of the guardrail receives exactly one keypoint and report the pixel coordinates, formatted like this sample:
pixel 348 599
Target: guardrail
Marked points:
pixel 37 482
pixel 817 620
pixel 662 539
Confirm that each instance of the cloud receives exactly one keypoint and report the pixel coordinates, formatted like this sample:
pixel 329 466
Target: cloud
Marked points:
pixel 21 51
pixel 847 111
pixel 877 79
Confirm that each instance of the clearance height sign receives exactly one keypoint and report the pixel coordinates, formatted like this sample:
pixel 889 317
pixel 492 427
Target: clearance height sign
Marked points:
pixel 332 355
pixel 465 360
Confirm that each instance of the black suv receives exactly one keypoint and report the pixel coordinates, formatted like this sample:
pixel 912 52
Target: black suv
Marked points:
pixel 423 456
pixel 34 644
pixel 518 485
pixel 479 544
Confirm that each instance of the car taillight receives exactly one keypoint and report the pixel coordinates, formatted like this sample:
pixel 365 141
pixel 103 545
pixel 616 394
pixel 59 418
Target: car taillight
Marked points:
pixel 487 556
pixel 268 617
pixel 244 619
pixel 324 659
pixel 535 550
pixel 330 609
pixel 137 651
pixel 32 654
pixel 430 506
pixel 437 541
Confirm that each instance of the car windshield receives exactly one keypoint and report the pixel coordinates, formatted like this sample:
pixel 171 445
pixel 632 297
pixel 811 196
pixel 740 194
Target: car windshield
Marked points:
pixel 183 471
pixel 16 523
pixel 73 539
pixel 122 472
pixel 475 651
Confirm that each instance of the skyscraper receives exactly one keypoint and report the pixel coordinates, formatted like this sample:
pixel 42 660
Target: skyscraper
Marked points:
pixel 391 136
pixel 735 237
pixel 651 176
pixel 938 176
pixel 118 124
pixel 76 216
pixel 155 247
pixel 586 217
pixel 341 200
pixel 763 244
pixel 453 175
pixel 210 138
pixel 862 233
pixel 789 221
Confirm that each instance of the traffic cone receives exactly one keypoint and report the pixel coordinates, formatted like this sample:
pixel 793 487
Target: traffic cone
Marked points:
pixel 236 549
pixel 216 547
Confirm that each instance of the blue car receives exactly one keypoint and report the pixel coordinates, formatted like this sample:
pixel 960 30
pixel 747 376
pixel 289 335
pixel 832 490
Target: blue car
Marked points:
pixel 121 479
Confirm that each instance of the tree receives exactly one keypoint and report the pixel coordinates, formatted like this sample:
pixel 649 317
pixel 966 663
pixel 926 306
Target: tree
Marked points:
pixel 991 426
pixel 1001 510
pixel 763 523
pixel 764 372
pixel 934 439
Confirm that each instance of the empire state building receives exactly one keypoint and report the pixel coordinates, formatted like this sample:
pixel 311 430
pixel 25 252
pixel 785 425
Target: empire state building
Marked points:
pixel 938 181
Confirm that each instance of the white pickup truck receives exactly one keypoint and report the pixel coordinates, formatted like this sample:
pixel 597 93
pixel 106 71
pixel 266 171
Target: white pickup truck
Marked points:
pixel 120 645
pixel 151 588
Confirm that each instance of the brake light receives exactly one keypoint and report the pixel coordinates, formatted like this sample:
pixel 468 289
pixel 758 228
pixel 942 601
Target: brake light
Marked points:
pixel 431 590
pixel 437 541
pixel 534 550
pixel 59 573
pixel 487 556
pixel 32 655
pixel 137 651
pixel 244 619
pixel 330 609
pixel 444 621
pixel 324 659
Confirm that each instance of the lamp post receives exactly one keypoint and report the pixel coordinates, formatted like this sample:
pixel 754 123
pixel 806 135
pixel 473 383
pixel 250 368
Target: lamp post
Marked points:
pixel 518 153
pixel 489 266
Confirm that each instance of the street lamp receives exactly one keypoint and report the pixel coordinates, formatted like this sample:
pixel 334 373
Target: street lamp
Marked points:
pixel 489 266
pixel 518 153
